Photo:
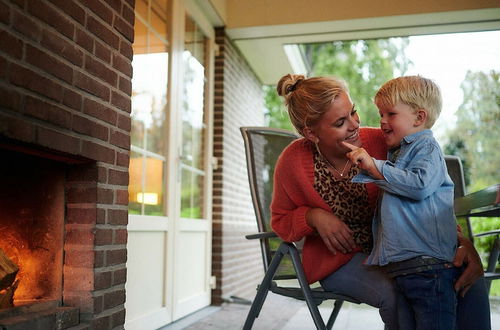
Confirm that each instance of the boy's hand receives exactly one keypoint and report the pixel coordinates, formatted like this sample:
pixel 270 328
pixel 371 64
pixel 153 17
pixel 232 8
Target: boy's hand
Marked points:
pixel 364 160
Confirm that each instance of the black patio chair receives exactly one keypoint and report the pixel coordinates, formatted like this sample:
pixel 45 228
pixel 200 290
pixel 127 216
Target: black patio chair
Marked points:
pixel 282 260
pixel 469 208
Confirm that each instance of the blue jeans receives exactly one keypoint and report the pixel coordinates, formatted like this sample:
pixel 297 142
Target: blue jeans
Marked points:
pixel 373 287
pixel 431 299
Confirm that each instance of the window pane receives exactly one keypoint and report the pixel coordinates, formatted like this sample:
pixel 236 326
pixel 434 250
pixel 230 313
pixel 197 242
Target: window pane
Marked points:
pixel 149 100
pixel 191 195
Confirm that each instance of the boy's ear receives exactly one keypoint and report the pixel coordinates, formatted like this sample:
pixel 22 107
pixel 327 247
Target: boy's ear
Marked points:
pixel 309 134
pixel 421 118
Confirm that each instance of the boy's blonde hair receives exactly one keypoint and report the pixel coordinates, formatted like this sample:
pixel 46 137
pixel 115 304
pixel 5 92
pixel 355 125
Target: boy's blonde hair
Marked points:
pixel 415 91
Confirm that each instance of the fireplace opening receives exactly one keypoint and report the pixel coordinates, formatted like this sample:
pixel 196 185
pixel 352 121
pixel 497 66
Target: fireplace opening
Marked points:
pixel 32 203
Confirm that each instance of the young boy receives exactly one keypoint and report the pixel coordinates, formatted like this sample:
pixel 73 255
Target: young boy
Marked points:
pixel 414 229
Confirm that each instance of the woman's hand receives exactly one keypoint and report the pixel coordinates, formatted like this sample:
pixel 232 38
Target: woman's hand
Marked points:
pixel 467 255
pixel 336 235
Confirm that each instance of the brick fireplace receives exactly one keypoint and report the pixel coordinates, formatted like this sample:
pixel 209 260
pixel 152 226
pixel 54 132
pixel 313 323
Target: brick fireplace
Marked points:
pixel 65 86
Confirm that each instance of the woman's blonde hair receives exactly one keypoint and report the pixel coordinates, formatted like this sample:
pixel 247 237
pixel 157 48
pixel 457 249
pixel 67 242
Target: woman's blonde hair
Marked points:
pixel 307 99
pixel 415 91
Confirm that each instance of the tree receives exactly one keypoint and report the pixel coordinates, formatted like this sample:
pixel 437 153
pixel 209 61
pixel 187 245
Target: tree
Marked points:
pixel 364 64
pixel 476 140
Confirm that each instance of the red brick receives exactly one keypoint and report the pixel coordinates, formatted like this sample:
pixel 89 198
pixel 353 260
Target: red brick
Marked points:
pixel 124 122
pixel 100 70
pixel 123 102
pixel 84 39
pixel 122 159
pixel 115 4
pixel 3 68
pixel 102 322
pixel 103 32
pixel 98 152
pixel 81 215
pixel 26 78
pixel 117 217
pixel 47 112
pixel 128 12
pixel 122 64
pixel 62 47
pixel 80 237
pixel 125 85
pixel 120 139
pixel 105 196
pixel 9 98
pixel 57 141
pixel 103 237
pixel 126 49
pixel 99 259
pixel 78 279
pixel 118 177
pixel 90 128
pixel 118 318
pixel 16 128
pixel 72 8
pixel 100 10
pixel 102 280
pixel 11 45
pixel 114 298
pixel 79 258
pixel 82 173
pixel 122 197
pixel 119 276
pixel 102 174
pixel 72 99
pixel 26 25
pixel 49 64
pixel 124 28
pixel 44 11
pixel 115 257
pixel 120 236
pixel 81 299
pixel 98 307
pixel 4 13
pixel 102 52
pixel 100 111
pixel 91 85
pixel 81 195
pixel 101 216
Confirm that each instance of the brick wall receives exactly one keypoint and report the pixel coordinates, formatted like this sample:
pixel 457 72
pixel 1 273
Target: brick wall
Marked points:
pixel 238 102
pixel 65 86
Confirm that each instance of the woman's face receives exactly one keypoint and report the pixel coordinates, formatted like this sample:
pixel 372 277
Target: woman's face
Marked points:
pixel 340 123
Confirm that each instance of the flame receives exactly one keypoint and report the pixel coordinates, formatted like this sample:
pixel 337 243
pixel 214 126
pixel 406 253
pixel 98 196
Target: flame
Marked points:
pixel 32 263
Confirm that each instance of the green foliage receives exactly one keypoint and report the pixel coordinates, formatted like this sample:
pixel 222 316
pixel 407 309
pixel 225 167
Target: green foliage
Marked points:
pixel 276 113
pixel 476 140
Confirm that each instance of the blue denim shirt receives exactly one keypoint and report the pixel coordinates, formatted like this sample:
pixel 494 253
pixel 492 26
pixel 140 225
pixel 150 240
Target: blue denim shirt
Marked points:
pixel 415 215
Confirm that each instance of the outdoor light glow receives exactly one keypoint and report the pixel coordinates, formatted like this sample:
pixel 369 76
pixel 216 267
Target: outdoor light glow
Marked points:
pixel 148 198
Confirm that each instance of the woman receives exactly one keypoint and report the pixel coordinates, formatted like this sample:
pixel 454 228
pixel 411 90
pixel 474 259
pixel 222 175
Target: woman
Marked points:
pixel 315 198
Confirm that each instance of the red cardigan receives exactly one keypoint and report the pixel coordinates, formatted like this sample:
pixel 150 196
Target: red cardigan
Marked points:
pixel 294 195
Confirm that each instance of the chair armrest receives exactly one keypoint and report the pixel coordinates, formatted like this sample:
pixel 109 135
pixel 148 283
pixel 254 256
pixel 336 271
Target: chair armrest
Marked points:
pixel 483 203
pixel 488 233
pixel 263 235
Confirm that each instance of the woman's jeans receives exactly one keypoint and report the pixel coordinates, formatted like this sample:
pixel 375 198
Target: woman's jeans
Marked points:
pixel 373 287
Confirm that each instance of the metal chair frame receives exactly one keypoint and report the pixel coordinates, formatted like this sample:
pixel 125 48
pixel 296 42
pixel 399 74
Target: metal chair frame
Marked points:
pixel 312 297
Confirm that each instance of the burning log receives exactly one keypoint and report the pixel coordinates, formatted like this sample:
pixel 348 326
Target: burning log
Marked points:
pixel 8 272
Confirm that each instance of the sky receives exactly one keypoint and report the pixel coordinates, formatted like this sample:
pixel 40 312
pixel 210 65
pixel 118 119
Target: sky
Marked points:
pixel 445 59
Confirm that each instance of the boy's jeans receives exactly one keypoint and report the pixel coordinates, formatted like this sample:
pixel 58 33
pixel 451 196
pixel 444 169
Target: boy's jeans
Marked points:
pixel 430 298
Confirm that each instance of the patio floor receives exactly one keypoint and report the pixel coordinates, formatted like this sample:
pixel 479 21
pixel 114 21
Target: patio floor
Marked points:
pixel 288 314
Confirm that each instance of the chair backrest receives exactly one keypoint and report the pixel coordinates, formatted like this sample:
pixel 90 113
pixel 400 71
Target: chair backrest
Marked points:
pixel 263 145
pixel 456 172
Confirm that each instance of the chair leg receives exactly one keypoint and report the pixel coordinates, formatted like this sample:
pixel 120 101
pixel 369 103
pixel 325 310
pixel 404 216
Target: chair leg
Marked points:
pixel 311 304
pixel 493 261
pixel 333 317
pixel 262 291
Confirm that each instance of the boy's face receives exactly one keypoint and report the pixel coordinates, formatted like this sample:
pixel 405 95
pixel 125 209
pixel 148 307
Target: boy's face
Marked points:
pixel 397 122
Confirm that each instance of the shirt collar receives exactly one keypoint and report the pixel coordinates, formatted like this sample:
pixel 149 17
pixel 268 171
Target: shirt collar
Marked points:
pixel 412 137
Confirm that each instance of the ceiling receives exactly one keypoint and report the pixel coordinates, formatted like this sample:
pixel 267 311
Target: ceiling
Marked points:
pixel 261 28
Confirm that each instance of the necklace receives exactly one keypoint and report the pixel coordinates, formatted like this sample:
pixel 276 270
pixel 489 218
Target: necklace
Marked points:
pixel 330 164
pixel 334 168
